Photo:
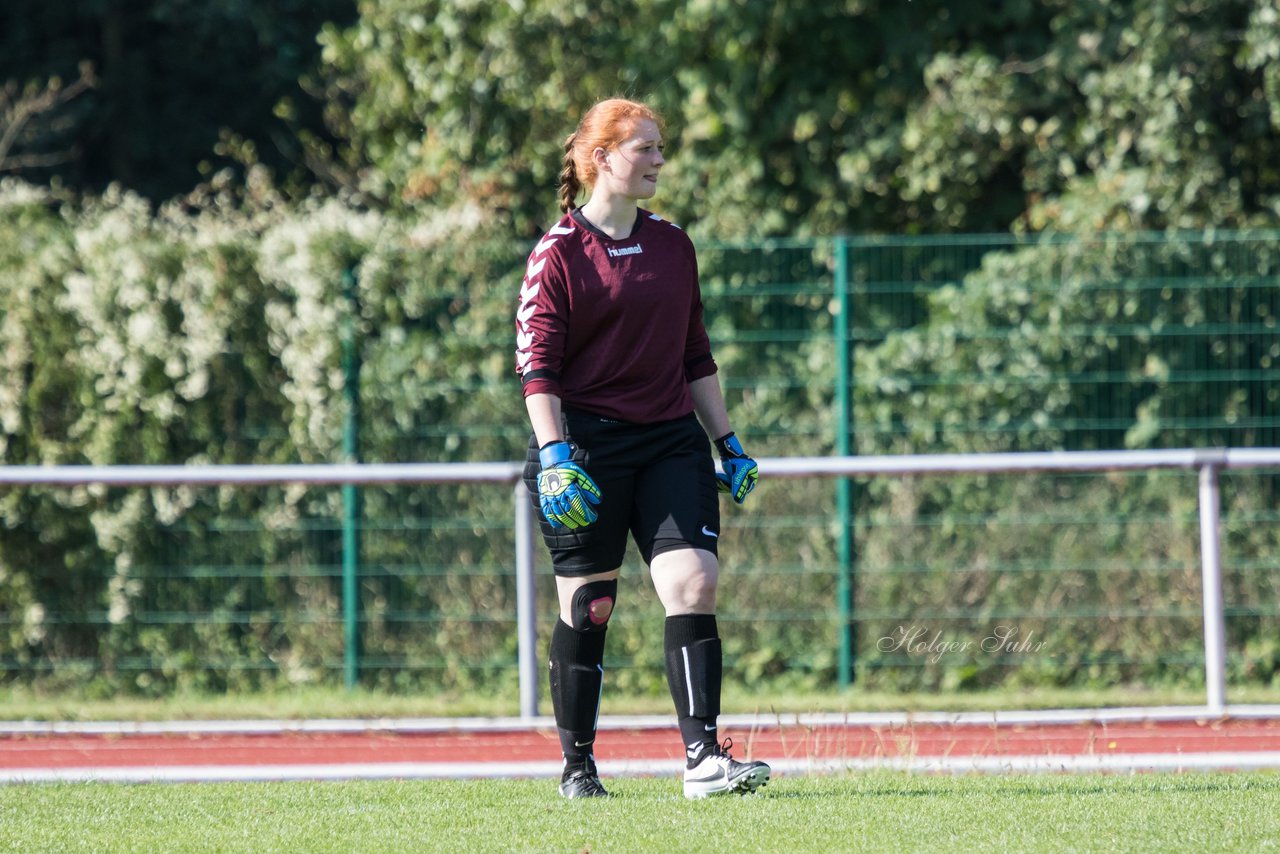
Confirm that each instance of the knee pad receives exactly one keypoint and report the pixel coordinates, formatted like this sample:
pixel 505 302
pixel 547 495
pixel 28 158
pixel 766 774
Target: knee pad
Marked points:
pixel 593 605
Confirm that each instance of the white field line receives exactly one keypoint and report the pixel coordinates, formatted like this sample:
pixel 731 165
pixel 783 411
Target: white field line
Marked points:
pixel 1239 761
pixel 1148 714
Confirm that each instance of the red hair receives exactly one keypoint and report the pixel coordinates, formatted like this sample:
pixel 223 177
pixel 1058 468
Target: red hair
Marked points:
pixel 604 125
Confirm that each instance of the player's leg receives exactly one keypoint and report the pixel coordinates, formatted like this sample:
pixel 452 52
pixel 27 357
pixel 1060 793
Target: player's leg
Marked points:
pixel 677 528
pixel 686 583
pixel 685 580
pixel 585 561
pixel 577 674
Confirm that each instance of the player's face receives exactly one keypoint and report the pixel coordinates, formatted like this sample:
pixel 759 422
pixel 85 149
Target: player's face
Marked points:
pixel 634 163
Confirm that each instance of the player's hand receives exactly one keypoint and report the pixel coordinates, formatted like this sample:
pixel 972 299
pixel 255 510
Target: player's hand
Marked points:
pixel 566 493
pixel 740 471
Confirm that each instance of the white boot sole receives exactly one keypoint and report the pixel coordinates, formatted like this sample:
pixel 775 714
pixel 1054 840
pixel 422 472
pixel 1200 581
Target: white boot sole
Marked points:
pixel 744 785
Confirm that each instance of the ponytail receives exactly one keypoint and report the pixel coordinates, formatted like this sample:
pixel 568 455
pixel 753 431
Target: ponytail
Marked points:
pixel 570 186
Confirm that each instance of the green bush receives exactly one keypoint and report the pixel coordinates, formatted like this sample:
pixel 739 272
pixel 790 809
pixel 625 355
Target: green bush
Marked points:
pixel 212 331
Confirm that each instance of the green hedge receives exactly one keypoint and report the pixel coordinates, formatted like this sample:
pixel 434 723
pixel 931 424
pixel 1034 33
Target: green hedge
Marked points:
pixel 210 331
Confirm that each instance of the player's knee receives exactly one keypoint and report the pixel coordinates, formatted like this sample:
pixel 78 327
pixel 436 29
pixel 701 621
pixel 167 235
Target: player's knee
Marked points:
pixel 699 591
pixel 593 605
pixel 686 581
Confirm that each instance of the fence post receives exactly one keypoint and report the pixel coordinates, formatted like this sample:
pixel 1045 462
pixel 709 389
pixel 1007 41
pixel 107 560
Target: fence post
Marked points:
pixel 1215 644
pixel 844 485
pixel 526 603
pixel 350 492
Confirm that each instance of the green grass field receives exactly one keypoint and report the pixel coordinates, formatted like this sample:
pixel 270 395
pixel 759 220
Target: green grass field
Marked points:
pixel 866 812
pixel 319 702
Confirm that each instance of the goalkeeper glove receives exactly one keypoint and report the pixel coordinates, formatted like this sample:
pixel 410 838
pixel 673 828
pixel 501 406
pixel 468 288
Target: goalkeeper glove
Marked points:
pixel 740 471
pixel 565 492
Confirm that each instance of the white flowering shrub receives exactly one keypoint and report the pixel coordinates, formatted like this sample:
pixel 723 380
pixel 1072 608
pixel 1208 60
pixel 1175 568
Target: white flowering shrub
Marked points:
pixel 212 330
pixel 303 260
pixel 194 333
pixel 46 540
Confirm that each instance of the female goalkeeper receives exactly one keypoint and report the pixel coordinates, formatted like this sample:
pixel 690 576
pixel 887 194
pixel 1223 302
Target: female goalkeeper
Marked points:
pixel 617 373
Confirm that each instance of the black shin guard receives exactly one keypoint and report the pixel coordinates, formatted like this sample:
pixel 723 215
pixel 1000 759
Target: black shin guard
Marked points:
pixel 694 666
pixel 577 674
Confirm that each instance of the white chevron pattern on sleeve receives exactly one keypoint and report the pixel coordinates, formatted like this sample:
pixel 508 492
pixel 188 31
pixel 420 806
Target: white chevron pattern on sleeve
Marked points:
pixel 528 290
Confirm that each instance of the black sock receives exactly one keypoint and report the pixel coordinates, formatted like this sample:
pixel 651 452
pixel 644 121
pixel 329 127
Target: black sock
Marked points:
pixel 577 673
pixel 694 664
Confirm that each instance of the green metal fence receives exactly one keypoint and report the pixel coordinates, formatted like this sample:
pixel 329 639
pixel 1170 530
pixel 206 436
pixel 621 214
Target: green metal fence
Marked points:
pixel 826 346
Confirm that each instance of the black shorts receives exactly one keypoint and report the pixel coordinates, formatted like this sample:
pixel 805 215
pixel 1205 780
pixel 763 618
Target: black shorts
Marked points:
pixel 657 482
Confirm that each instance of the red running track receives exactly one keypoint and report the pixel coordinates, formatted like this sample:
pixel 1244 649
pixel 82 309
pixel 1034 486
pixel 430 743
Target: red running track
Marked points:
pixel 522 751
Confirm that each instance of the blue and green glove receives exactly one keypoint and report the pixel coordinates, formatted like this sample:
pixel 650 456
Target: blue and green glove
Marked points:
pixel 740 471
pixel 565 492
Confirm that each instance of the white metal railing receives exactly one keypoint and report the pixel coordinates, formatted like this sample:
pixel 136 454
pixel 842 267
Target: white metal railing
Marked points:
pixel 1207 462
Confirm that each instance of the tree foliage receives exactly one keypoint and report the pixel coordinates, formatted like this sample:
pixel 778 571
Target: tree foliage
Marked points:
pixel 844 115
pixel 833 116
pixel 184 88
pixel 174 313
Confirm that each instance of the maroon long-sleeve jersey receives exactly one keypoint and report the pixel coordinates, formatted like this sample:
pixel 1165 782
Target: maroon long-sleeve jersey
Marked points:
pixel 610 326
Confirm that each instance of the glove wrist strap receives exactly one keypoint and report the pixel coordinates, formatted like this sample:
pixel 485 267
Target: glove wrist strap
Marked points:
pixel 729 446
pixel 554 453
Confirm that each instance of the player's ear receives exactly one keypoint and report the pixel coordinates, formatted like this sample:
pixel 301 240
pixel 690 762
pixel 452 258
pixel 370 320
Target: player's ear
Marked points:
pixel 600 157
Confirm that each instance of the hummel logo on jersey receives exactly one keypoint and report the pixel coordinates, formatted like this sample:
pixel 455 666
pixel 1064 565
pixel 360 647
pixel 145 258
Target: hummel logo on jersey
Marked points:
pixel 625 250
